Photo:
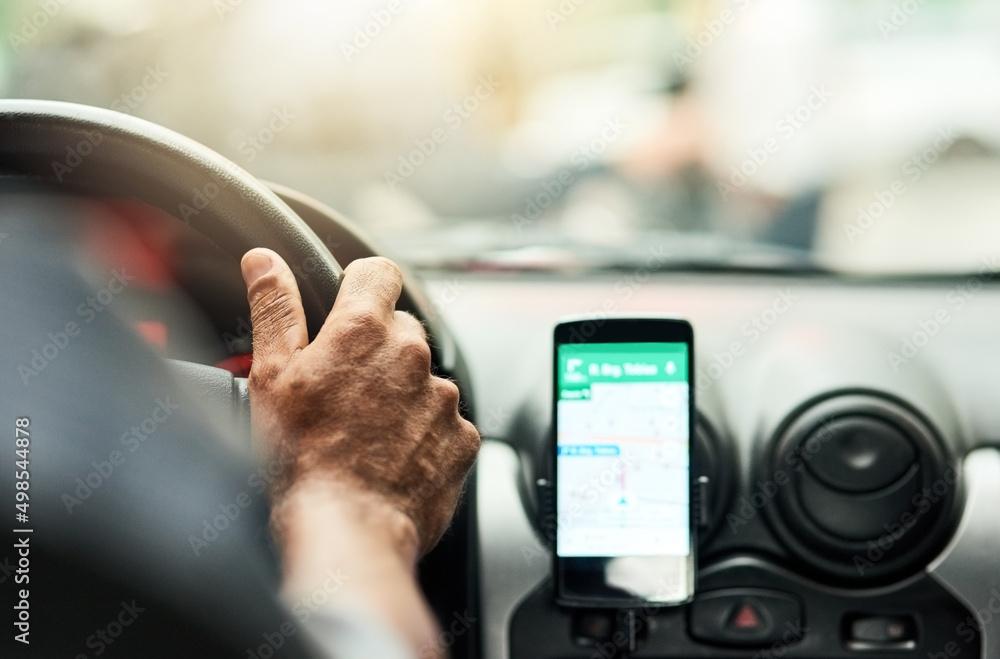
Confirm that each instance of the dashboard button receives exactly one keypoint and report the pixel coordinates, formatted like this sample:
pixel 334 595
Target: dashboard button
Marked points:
pixel 747 618
pixel 592 626
pixel 881 632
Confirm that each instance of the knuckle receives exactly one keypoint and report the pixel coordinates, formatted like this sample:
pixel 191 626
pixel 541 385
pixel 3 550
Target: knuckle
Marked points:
pixel 404 318
pixel 374 267
pixel 363 325
pixel 416 351
pixel 385 267
pixel 447 392
pixel 472 441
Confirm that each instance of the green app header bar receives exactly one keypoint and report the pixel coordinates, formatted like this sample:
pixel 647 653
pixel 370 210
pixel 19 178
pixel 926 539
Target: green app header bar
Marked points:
pixel 583 364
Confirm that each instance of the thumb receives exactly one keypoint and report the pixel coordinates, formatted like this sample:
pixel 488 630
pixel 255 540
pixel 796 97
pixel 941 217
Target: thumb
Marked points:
pixel 279 323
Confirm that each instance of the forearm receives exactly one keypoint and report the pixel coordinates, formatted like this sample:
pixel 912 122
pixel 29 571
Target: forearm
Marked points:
pixel 333 529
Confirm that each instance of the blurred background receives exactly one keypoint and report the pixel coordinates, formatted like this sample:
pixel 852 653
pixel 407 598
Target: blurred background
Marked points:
pixel 856 135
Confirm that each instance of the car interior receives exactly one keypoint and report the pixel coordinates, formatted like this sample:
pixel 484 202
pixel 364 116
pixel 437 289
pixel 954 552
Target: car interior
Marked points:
pixel 812 184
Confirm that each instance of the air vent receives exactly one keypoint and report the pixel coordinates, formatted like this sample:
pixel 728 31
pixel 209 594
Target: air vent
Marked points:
pixel 869 488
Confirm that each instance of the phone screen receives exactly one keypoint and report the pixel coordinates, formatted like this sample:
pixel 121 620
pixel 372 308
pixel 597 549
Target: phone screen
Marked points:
pixel 623 471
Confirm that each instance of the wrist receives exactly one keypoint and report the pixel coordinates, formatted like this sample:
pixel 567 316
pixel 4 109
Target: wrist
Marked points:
pixel 317 513
pixel 330 529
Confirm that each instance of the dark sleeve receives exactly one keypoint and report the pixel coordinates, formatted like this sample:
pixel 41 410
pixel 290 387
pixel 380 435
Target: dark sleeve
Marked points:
pixel 148 537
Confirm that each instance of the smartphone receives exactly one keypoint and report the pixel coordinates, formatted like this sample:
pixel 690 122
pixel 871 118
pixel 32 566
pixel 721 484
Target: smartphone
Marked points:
pixel 623 473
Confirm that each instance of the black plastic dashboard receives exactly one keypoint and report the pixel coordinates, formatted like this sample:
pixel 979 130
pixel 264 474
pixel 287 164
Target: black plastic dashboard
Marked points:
pixel 848 436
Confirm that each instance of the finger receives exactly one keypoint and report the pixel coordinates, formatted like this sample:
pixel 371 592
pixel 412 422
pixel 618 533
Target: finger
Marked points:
pixel 279 323
pixel 409 327
pixel 412 338
pixel 369 289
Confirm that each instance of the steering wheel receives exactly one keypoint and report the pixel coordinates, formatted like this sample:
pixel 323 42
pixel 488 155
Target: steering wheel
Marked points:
pixel 95 151
pixel 92 151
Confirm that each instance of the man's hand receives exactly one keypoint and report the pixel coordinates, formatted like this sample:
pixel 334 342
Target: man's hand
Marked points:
pixel 359 406
pixel 373 450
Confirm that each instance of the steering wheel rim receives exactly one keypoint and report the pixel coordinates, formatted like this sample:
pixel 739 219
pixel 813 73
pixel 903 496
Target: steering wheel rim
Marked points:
pixel 91 150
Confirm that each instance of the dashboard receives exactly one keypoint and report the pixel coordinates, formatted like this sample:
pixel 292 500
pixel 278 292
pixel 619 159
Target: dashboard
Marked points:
pixel 847 440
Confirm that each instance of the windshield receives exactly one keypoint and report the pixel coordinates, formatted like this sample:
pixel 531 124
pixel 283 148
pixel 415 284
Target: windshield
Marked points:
pixel 854 136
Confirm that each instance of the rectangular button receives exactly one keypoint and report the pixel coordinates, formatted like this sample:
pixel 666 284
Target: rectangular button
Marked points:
pixel 882 632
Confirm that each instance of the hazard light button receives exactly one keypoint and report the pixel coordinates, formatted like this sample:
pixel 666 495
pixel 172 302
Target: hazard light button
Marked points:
pixel 747 618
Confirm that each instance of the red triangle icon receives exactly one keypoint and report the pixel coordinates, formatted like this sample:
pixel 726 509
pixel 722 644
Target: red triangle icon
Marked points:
pixel 746 618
